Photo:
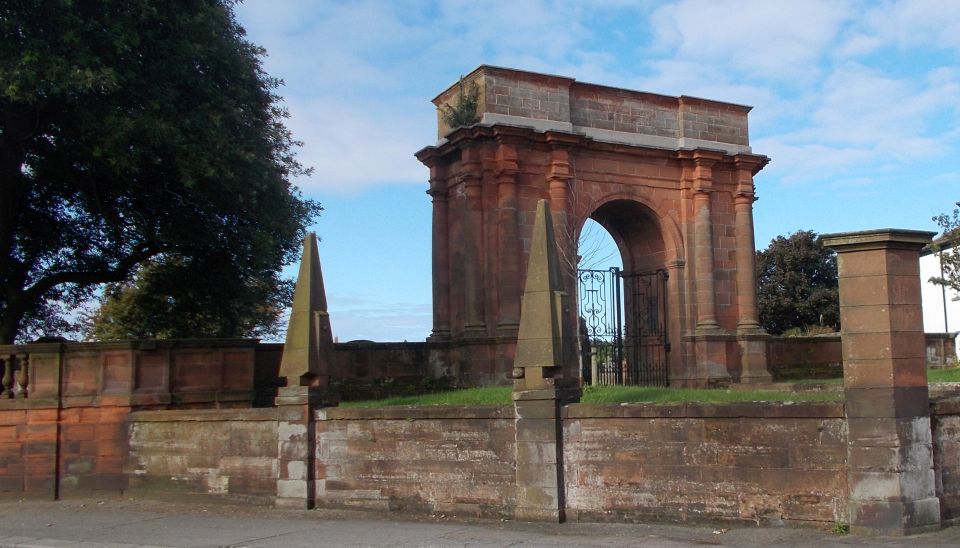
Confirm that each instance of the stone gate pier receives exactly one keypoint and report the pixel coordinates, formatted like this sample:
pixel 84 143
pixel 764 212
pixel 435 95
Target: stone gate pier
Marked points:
pixel 890 472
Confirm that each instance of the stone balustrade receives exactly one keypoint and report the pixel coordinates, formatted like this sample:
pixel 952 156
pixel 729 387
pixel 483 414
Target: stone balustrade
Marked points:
pixel 147 374
pixel 15 375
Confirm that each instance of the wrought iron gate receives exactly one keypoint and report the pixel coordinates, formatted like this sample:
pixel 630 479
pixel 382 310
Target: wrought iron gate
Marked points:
pixel 623 316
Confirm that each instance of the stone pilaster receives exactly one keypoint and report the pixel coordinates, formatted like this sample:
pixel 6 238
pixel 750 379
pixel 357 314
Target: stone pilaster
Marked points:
pixel 508 241
pixel 750 336
pixel 471 178
pixel 703 248
pixel 890 463
pixel 710 343
pixel 441 260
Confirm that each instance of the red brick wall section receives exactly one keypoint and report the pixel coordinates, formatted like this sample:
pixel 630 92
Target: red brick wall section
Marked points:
pixel 28 452
pixel 454 461
pixel 93 450
pixel 11 451
pixel 744 462
pixel 945 426
pixel 222 453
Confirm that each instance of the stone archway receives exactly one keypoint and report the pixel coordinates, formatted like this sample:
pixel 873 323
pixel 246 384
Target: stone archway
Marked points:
pixel 631 326
pixel 679 168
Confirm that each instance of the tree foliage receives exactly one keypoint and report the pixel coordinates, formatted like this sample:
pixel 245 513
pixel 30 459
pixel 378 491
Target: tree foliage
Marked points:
pixel 156 304
pixel 139 131
pixel 797 283
pixel 948 249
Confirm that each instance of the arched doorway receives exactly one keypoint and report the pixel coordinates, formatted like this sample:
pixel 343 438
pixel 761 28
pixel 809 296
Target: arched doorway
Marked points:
pixel 622 296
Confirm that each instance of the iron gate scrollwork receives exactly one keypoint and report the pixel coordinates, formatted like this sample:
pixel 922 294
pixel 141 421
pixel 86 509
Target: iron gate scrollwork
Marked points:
pixel 623 319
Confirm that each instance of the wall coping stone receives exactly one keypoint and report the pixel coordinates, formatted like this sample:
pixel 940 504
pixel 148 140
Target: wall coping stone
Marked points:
pixel 762 410
pixel 13 404
pixel 205 415
pixel 408 412
pixel 132 344
pixel 877 239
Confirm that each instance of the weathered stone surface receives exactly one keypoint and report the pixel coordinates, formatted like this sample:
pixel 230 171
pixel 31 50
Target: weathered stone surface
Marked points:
pixel 308 351
pixel 946 459
pixel 428 462
pixel 204 452
pixel 690 467
pixel 546 337
pixel 890 468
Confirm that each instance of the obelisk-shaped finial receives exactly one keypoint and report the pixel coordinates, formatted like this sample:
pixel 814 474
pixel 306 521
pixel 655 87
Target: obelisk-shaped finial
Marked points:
pixel 308 351
pixel 540 341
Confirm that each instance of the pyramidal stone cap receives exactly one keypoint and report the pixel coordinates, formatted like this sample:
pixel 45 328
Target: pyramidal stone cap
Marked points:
pixel 540 339
pixel 308 350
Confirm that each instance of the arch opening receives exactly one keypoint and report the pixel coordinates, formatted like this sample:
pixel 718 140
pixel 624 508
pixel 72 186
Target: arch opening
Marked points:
pixel 623 303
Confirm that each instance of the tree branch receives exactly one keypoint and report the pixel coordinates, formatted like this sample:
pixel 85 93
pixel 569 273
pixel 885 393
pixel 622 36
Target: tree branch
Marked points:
pixel 83 277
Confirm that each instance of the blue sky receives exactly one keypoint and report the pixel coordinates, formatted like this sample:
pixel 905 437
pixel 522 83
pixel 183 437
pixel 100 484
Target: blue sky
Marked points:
pixel 856 103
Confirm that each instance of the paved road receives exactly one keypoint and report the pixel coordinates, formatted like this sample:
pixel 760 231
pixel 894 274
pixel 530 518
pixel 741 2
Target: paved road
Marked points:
pixel 124 523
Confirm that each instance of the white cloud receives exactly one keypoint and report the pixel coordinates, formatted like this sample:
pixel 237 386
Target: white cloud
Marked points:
pixel 352 145
pixel 360 74
pixel 795 163
pixel 912 23
pixel 381 321
pixel 774 40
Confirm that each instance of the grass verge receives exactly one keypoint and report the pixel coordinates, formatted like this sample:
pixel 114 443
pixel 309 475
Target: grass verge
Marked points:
pixel 951 374
pixel 501 395
pixel 653 394
pixel 494 395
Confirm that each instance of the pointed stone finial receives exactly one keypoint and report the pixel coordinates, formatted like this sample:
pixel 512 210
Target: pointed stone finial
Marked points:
pixel 540 342
pixel 308 352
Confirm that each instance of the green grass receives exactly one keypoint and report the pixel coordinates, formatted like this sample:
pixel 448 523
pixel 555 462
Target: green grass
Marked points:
pixel 501 395
pixel 829 381
pixel 944 375
pixel 951 374
pixel 629 394
pixel 494 395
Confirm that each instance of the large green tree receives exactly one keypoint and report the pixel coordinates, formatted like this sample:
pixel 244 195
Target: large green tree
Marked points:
pixel 132 133
pixel 948 248
pixel 797 283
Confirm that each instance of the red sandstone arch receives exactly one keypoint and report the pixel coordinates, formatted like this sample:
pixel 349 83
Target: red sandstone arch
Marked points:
pixel 673 175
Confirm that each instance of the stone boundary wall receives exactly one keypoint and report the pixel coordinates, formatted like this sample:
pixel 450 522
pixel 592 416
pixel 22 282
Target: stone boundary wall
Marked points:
pixel 66 432
pixel 364 369
pixel 227 453
pixel 763 463
pixel 750 462
pixel 805 357
pixel 454 461
pixel 945 429
pixel 822 357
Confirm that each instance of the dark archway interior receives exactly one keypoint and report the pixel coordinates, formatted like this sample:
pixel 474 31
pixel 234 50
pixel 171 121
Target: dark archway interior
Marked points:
pixel 636 231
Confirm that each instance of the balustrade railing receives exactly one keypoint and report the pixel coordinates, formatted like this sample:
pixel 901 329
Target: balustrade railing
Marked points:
pixel 15 376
